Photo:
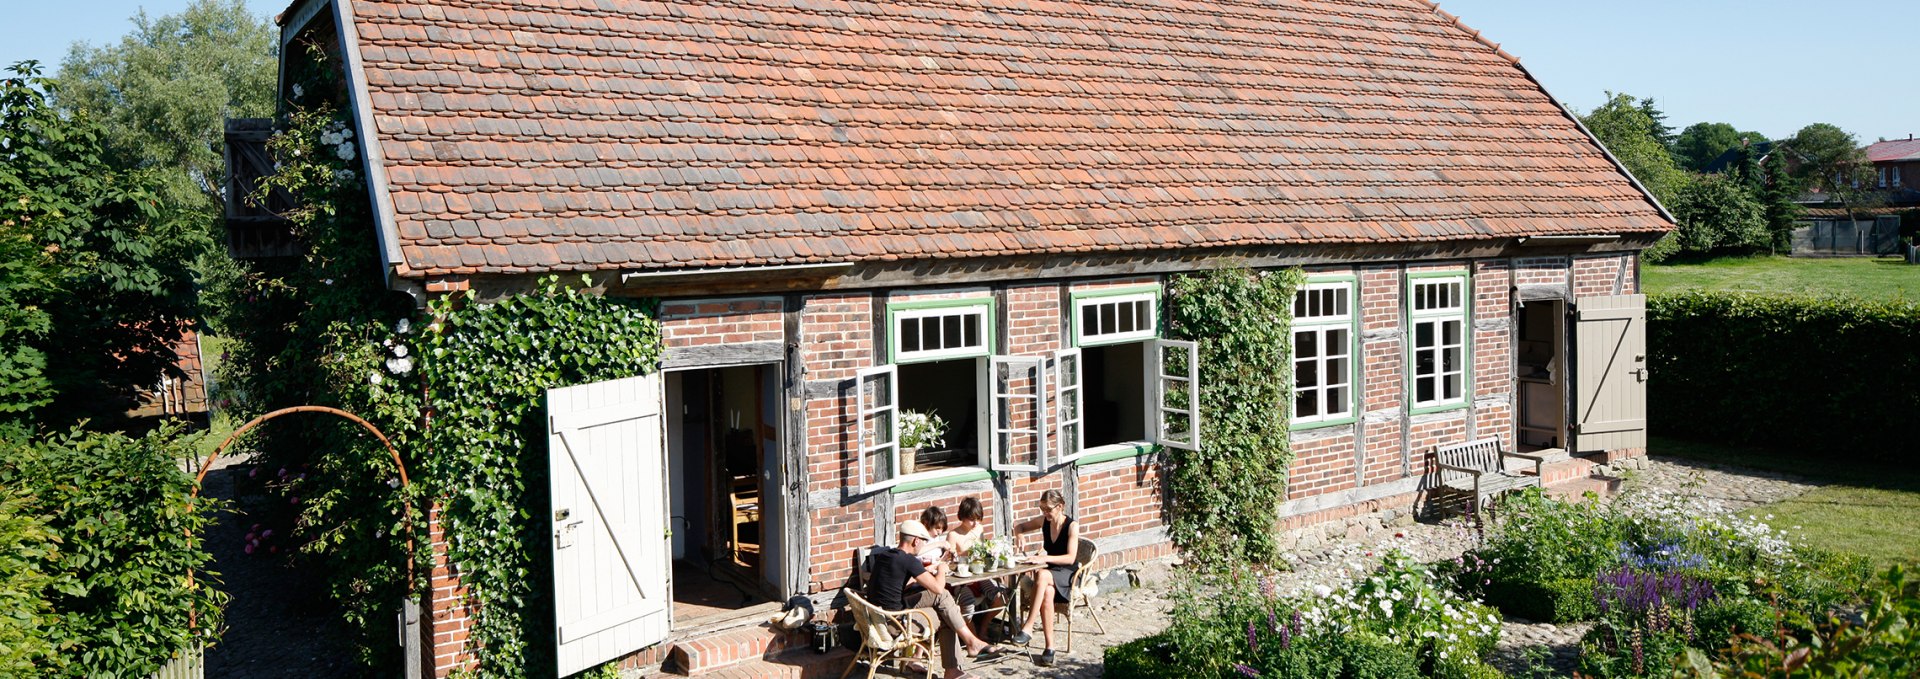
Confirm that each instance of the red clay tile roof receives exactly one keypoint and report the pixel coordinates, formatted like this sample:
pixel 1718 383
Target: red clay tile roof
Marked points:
pixel 1899 149
pixel 534 135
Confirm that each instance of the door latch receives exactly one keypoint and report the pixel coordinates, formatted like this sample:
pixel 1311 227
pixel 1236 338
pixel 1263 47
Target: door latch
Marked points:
pixel 1641 374
pixel 566 534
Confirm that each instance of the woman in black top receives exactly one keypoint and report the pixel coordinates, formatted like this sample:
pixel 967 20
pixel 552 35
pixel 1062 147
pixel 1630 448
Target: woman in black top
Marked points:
pixel 1060 535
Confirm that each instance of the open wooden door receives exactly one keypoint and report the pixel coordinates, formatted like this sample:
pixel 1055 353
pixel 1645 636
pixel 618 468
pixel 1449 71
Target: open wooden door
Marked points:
pixel 1610 373
pixel 611 549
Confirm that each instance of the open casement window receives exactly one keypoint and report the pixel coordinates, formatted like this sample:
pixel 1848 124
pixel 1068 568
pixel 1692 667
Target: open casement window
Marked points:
pixel 1175 367
pixel 1437 315
pixel 611 546
pixel 1064 372
pixel 1323 347
pixel 877 407
pixel 1019 414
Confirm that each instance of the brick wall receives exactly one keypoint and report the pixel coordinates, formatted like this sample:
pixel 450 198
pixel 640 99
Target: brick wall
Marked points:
pixel 446 620
pixel 687 323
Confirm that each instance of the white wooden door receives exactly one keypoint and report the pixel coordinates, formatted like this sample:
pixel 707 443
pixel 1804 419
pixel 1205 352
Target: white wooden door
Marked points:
pixel 1610 375
pixel 611 550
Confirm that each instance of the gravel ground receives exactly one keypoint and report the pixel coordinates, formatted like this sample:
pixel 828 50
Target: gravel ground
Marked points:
pixel 279 623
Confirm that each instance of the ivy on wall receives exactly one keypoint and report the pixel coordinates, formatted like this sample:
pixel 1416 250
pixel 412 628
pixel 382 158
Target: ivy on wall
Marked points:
pixel 1226 495
pixel 487 368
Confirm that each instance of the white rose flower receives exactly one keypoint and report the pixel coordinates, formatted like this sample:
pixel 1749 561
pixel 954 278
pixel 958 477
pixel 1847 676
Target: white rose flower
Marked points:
pixel 400 350
pixel 375 379
pixel 403 327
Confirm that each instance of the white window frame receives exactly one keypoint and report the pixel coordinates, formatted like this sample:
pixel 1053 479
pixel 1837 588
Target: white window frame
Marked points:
pixel 1000 459
pixel 1150 330
pixel 1896 177
pixel 1883 178
pixel 1321 326
pixel 982 308
pixel 870 444
pixel 1159 408
pixel 1069 386
pixel 1416 317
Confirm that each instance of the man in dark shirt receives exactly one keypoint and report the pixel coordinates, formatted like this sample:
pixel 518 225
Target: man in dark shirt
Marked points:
pixel 892 568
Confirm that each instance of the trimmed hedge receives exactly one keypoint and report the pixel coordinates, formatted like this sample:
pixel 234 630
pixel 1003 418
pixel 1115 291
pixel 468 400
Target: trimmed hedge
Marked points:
pixel 1835 377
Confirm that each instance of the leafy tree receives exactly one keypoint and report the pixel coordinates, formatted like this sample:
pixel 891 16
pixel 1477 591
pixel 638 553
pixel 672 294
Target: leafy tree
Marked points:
pixel 1702 143
pixel 1716 213
pixel 1632 135
pixel 162 94
pixel 1831 160
pixel 91 263
pixel 1661 131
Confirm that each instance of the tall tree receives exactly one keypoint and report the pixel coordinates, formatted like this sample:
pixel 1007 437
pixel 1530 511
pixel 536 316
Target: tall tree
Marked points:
pixel 1624 127
pixel 1702 143
pixel 1658 127
pixel 163 93
pixel 108 288
pixel 1831 160
pixel 1717 214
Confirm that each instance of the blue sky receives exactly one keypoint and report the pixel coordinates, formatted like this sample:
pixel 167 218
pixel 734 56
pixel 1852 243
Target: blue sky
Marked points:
pixel 1770 66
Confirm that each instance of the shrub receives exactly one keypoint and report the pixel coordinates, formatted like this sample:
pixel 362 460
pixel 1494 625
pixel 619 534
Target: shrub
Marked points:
pixel 1368 655
pixel 26 551
pixel 1789 373
pixel 1138 659
pixel 1539 560
pixel 1883 642
pixel 1723 619
pixel 116 595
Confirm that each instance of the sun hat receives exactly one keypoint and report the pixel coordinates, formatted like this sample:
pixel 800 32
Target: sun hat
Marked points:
pixel 914 529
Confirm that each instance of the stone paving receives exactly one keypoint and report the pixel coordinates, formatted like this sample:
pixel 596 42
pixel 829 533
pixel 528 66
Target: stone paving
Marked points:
pixel 1339 552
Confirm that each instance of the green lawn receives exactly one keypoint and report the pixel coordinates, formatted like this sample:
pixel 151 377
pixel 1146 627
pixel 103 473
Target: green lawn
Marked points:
pixel 1854 276
pixel 1867 509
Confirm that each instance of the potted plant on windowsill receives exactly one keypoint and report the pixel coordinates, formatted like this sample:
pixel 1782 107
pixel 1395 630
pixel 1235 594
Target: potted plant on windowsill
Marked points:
pixel 918 431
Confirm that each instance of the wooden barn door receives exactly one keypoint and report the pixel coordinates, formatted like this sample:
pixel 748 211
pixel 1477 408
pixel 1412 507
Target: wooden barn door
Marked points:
pixel 611 548
pixel 1610 373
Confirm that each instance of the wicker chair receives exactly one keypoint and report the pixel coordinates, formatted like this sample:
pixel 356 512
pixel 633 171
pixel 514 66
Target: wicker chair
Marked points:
pixel 887 636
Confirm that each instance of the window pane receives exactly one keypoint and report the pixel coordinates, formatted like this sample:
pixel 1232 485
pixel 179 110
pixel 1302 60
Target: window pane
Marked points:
pixel 1143 314
pixel 1306 374
pixel 1423 389
pixel 909 335
pixel 930 333
pixel 973 331
pixel 1340 301
pixel 1337 401
pixel 1337 342
pixel 1306 344
pixel 1300 305
pixel 1452 382
pixel 953 332
pixel 1337 371
pixel 1126 322
pixel 1423 362
pixel 1451 330
pixel 1306 403
pixel 1107 318
pixel 1423 334
pixel 1089 320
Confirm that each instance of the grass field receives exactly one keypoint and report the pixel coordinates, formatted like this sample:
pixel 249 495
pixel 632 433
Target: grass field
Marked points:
pixel 1853 277
pixel 1867 509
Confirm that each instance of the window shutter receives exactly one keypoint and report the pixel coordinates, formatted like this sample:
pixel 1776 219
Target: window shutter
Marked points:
pixel 1610 373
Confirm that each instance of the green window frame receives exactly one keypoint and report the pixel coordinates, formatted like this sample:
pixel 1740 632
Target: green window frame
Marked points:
pixel 1326 351
pixel 1439 341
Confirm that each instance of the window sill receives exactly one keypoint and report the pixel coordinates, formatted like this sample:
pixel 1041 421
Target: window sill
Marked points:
pixel 1424 410
pixel 943 477
pixel 1116 451
pixel 1322 424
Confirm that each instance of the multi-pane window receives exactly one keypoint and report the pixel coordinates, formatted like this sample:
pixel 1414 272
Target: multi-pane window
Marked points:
pixel 941 332
pixel 1896 177
pixel 1323 353
pixel 1118 318
pixel 1437 313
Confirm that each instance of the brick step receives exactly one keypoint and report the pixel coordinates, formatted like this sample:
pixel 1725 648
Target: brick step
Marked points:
pixel 799 664
pixel 1566 469
pixel 1573 490
pixel 703 655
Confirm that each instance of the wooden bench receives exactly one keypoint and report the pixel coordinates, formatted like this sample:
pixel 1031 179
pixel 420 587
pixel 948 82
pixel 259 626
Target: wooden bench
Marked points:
pixel 1479 467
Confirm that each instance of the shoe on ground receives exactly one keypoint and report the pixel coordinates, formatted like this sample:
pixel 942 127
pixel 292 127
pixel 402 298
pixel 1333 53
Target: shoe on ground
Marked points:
pixel 1044 659
pixel 1020 638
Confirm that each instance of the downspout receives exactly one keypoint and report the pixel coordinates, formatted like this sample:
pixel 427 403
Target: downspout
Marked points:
pixel 378 194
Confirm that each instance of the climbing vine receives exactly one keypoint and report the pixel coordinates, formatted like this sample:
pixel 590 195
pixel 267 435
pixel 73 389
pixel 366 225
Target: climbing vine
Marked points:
pixel 1226 495
pixel 487 368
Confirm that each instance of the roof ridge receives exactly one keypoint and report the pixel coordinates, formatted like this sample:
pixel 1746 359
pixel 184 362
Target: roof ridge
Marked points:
pixel 1455 21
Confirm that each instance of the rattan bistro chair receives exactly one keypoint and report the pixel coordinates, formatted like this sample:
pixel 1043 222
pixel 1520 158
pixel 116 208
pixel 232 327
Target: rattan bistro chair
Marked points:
pixel 887 636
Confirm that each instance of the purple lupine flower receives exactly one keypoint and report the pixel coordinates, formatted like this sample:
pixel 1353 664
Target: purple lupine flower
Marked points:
pixel 1273 622
pixel 1253 637
pixel 1296 622
pixel 1286 638
pixel 1243 669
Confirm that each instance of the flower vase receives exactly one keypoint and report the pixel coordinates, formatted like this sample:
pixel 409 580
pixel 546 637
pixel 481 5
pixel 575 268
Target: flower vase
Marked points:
pixel 908 457
pixel 965 568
